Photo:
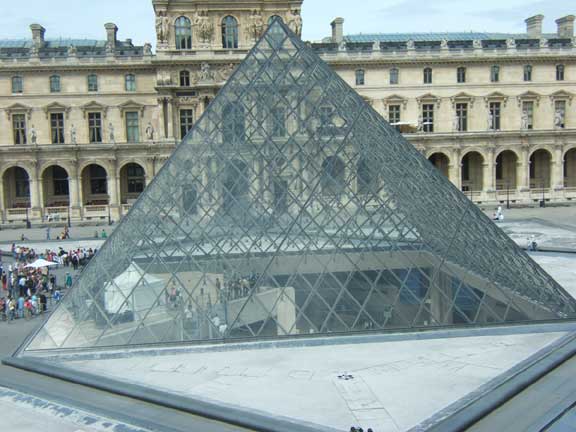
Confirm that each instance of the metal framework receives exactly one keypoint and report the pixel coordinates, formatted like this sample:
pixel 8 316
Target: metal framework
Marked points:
pixel 292 208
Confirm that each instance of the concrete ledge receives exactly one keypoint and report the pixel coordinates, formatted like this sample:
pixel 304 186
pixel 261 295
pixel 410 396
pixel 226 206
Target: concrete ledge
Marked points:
pixel 252 420
pixel 480 403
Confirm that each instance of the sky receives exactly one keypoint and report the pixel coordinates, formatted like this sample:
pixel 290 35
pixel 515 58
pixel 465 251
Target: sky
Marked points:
pixel 135 18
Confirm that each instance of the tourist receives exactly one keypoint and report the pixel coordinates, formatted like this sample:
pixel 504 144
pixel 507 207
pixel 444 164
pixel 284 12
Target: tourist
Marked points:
pixel 68 282
pixel 48 233
pixel 104 235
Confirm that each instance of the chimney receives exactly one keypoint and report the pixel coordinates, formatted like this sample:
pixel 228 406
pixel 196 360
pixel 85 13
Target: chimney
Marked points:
pixel 111 32
pixel 337 30
pixel 38 35
pixel 534 26
pixel 566 27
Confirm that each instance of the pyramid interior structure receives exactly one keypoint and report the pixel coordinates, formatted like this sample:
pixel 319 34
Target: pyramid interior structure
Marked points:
pixel 292 208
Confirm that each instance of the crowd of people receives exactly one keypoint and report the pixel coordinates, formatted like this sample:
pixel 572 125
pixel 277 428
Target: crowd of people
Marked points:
pixel 28 291
pixel 238 287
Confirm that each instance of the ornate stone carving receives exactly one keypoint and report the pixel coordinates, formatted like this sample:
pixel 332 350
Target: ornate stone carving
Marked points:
pixel 226 71
pixel 444 44
pixel 72 51
pixel 150 132
pixel 206 73
pixel 147 49
pixel 112 138
pixel 164 78
pixel 295 22
pixel 543 43
pixel 410 44
pixel 73 137
pixel 33 135
pixel 559 116
pixel 476 43
pixel 256 26
pixel 511 43
pixel 204 26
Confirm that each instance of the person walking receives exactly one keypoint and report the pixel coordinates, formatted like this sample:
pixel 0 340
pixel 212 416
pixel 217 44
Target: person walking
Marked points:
pixel 48 233
pixel 68 280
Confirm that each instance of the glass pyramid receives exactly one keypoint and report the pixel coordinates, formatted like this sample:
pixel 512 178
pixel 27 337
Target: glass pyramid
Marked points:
pixel 292 208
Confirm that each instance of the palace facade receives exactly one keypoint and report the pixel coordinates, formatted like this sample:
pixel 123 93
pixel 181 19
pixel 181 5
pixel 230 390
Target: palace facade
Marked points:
pixel 88 123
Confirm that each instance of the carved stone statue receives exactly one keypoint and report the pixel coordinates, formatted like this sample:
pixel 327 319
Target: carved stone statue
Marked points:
pixel 444 44
pixel 204 26
pixel 456 123
pixel 147 49
pixel 162 27
pixel 511 43
pixel 559 119
pixel 112 139
pixel 73 139
pixel 206 72
pixel 33 135
pixel 491 125
pixel 524 120
pixel 295 22
pixel 72 51
pixel 227 70
pixel 543 43
pixel 410 44
pixel 477 43
pixel 256 26
pixel 150 132
pixel 420 126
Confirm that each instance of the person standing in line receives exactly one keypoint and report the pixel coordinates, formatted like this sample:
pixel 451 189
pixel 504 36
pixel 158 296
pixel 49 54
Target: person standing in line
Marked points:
pixel 68 280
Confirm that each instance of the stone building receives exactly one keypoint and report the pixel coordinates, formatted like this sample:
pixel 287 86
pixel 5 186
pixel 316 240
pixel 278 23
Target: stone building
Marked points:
pixel 88 123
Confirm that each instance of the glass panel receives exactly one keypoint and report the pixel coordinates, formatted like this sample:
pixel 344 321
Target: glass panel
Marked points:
pixel 57 128
pixel 339 225
pixel 132 127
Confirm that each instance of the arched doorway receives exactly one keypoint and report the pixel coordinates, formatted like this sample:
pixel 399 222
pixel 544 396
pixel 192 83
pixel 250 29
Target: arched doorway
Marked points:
pixel 236 185
pixel 333 176
pixel 132 182
pixel 506 163
pixel 94 186
pixel 570 168
pixel 441 162
pixel 540 169
pixel 472 172
pixel 55 187
pixel 16 188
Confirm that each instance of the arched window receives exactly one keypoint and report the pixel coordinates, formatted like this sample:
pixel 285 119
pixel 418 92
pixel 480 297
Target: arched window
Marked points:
pixel 184 79
pixel 427 75
pixel 183 32
pixel 560 72
pixel 229 32
pixel 394 76
pixel 360 77
pixel 130 81
pixel 233 124
pixel 236 184
pixel 527 73
pixel 55 84
pixel 333 176
pixel 17 84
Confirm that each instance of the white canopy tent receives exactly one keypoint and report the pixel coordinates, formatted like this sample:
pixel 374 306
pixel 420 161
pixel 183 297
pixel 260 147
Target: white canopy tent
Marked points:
pixel 133 290
pixel 41 263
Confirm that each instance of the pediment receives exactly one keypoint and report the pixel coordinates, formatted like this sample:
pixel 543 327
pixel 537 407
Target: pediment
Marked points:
pixel 429 97
pixel 131 106
pixel 94 106
pixel 528 96
pixel 496 96
pixel 56 107
pixel 562 95
pixel 463 97
pixel 18 108
pixel 395 99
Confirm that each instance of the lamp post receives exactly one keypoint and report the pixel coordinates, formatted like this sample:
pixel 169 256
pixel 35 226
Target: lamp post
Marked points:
pixel 508 194
pixel 69 223
pixel 109 215
pixel 543 197
pixel 28 224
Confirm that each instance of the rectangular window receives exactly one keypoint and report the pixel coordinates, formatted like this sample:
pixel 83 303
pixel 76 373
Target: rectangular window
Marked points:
pixel 132 127
pixel 19 128
pixel 55 84
pixel 394 115
pixel 461 75
pixel 560 114
pixel 527 115
pixel 560 73
pixel 527 73
pixel 495 115
pixel 130 82
pixel 428 76
pixel 61 186
pixel 17 84
pixel 22 185
pixel 95 127
pixel 394 76
pixel 360 77
pixel 428 117
pixel 462 117
pixel 92 83
pixel 495 74
pixel 186 121
pixel 278 122
pixel 57 128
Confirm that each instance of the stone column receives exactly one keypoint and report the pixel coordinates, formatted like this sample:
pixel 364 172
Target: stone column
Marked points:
pixel 523 171
pixel 489 174
pixel 171 118
pixel 558 169
pixel 455 169
pixel 113 183
pixel 73 183
pixel 2 202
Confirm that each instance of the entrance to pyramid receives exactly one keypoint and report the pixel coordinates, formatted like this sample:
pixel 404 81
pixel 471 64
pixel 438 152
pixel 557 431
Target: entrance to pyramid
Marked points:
pixel 291 209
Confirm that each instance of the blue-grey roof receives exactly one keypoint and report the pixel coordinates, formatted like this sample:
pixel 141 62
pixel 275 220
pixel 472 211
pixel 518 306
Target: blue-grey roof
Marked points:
pixel 54 43
pixel 421 37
